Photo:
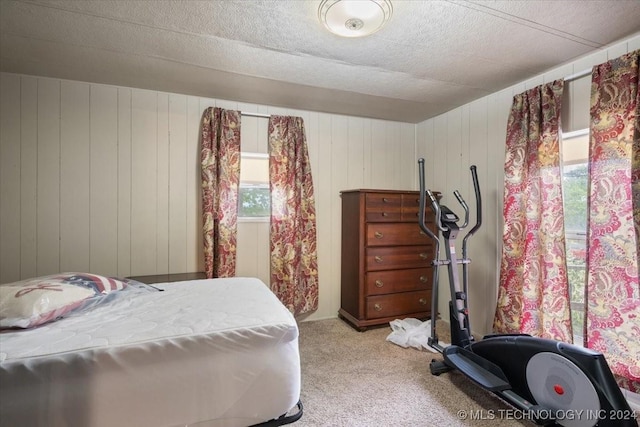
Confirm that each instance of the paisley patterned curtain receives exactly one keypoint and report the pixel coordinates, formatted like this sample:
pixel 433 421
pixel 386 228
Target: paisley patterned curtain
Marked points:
pixel 294 265
pixel 533 295
pixel 220 173
pixel 613 289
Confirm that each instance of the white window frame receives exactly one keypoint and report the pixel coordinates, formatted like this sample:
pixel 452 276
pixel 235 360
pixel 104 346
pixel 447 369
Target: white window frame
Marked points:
pixel 581 235
pixel 252 219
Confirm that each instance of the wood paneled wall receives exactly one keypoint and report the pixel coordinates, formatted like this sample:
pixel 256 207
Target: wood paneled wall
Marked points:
pixel 475 134
pixel 106 179
pixel 97 178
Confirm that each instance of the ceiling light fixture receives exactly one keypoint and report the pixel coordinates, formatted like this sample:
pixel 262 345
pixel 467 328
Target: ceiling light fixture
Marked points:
pixel 354 18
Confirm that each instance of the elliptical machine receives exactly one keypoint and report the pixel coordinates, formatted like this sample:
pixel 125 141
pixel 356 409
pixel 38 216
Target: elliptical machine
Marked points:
pixel 549 382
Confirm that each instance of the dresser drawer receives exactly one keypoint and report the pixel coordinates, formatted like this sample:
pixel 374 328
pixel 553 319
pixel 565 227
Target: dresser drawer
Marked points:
pixel 386 282
pixel 410 207
pixel 400 304
pixel 398 257
pixel 383 207
pixel 379 234
pixel 411 210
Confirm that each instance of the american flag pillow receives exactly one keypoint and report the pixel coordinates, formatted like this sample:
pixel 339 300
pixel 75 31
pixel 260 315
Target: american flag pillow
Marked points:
pixel 101 285
pixel 33 302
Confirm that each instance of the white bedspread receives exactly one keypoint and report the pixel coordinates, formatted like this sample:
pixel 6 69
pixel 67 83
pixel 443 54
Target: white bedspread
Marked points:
pixel 220 352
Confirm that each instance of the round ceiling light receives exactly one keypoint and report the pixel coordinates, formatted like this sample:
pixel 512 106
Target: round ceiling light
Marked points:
pixel 354 18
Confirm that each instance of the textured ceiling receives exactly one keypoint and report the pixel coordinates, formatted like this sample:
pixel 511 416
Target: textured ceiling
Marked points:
pixel 431 57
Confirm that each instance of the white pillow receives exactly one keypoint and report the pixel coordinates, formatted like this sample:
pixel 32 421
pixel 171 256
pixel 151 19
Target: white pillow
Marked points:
pixel 32 302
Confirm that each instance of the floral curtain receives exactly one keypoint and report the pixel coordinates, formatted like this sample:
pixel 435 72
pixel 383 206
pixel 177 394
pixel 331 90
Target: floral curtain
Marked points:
pixel 220 173
pixel 613 289
pixel 533 295
pixel 294 265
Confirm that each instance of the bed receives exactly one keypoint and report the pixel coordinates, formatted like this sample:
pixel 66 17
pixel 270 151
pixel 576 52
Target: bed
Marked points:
pixel 217 352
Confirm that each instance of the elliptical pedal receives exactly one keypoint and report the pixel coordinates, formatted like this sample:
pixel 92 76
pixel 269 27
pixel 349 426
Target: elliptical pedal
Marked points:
pixel 480 370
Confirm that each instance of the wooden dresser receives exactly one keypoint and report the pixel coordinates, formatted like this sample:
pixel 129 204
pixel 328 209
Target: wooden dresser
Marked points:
pixel 386 271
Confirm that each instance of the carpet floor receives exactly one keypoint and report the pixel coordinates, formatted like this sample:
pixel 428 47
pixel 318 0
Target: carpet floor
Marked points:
pixel 352 378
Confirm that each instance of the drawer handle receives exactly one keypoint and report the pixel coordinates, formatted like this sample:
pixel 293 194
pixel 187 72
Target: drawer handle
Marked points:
pixel 423 279
pixel 423 301
pixel 379 283
pixel 424 255
pixel 378 258
pixel 385 200
pixel 377 307
pixel 378 235
pixel 385 214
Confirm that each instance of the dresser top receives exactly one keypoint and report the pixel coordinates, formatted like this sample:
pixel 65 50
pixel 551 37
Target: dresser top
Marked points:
pixel 360 190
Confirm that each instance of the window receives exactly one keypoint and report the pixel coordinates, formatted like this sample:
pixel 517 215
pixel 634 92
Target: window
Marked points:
pixel 254 200
pixel 575 169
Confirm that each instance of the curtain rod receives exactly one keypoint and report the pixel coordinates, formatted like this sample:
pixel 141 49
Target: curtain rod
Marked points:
pixel 576 76
pixel 244 113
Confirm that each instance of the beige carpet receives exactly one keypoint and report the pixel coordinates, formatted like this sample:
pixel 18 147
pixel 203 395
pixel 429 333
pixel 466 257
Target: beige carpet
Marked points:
pixel 352 378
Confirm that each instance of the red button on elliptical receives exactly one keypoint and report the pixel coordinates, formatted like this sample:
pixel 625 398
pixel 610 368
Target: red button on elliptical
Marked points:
pixel 558 389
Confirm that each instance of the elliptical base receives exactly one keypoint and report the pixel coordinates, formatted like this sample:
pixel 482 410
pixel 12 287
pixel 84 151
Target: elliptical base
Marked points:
pixel 438 367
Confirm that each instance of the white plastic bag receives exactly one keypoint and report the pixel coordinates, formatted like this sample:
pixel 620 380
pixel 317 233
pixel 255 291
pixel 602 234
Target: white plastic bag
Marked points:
pixel 410 332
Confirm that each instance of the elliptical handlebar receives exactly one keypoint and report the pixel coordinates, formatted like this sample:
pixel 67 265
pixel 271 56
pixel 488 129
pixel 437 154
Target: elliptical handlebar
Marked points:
pixel 464 206
pixel 476 188
pixel 437 210
pixel 434 204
